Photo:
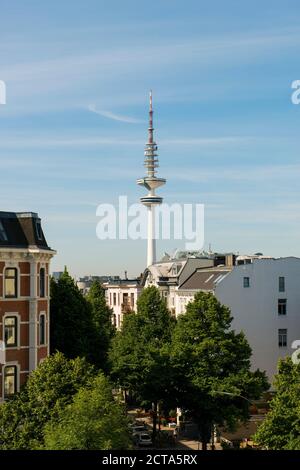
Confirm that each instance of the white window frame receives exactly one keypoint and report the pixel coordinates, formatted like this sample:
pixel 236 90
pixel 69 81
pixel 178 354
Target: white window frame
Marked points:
pixel 10 364
pixel 11 266
pixel 12 314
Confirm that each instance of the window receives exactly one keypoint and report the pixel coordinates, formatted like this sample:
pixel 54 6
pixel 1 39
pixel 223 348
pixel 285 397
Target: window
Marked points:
pixel 115 298
pixel 42 329
pixel 125 300
pixel 11 281
pixel 11 331
pixel 281 306
pixel 39 230
pixel 42 282
pixel 132 299
pixel 246 282
pixel 3 236
pixel 10 381
pixel 281 284
pixel 282 338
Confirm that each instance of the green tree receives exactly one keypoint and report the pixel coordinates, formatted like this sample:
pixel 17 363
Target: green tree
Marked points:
pixel 140 359
pixel 281 427
pixel 93 421
pixel 104 328
pixel 49 389
pixel 72 330
pixel 207 359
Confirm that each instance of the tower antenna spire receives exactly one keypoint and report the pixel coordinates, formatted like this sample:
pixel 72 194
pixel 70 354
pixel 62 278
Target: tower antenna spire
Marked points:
pixel 151 182
pixel 150 129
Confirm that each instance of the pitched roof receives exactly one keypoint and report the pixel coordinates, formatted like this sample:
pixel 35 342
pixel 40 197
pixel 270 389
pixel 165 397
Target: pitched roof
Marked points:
pixel 21 230
pixel 204 279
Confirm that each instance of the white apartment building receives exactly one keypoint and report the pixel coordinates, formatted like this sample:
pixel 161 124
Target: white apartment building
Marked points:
pixel 121 296
pixel 263 295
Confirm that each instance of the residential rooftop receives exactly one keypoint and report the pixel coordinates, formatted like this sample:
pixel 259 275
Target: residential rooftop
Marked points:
pixel 21 230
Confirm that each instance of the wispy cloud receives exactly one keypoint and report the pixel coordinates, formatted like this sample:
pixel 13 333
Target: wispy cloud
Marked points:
pixel 208 141
pixel 20 140
pixel 66 73
pixel 68 141
pixel 255 173
pixel 113 116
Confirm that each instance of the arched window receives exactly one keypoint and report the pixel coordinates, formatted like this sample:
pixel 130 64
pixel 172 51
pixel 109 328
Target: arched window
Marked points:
pixel 42 282
pixel 10 381
pixel 11 283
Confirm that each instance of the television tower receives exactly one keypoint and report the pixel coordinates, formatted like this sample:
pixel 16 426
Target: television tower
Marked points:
pixel 151 182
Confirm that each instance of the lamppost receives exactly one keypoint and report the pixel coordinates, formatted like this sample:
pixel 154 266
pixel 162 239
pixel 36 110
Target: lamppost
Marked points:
pixel 232 394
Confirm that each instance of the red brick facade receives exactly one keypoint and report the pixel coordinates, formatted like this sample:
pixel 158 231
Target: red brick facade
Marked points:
pixel 29 337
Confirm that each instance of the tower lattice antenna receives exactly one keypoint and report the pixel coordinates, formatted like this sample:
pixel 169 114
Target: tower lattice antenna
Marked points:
pixel 151 160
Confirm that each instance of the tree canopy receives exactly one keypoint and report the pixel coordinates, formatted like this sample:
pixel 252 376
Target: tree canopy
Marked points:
pixel 93 421
pixel 208 358
pixel 104 329
pixel 281 427
pixel 71 327
pixel 140 359
pixel 49 389
pixel 80 325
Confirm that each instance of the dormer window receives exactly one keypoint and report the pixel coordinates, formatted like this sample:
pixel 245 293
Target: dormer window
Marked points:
pixel 39 230
pixel 3 236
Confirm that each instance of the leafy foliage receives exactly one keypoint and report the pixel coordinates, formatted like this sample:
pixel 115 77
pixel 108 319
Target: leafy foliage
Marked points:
pixel 48 390
pixel 94 420
pixel 281 428
pixel 140 360
pixel 207 359
pixel 102 322
pixel 80 326
pixel 71 327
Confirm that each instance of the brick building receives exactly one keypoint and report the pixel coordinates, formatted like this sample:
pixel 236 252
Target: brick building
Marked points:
pixel 24 298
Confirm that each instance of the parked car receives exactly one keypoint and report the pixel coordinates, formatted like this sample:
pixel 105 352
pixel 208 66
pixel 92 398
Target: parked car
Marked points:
pixel 144 439
pixel 138 429
pixel 172 425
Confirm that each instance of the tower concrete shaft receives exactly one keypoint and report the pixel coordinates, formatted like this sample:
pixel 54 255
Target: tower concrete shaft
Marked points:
pixel 151 182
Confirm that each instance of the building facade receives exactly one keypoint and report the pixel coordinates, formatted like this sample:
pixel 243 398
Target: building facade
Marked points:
pixel 24 298
pixel 171 273
pixel 122 296
pixel 264 298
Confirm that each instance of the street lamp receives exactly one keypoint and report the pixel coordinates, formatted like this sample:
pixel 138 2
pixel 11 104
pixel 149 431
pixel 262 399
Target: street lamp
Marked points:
pixel 220 392
pixel 232 394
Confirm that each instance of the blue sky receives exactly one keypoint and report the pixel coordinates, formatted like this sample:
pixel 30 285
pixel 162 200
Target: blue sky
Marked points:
pixel 227 131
